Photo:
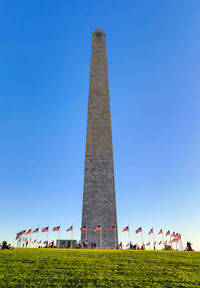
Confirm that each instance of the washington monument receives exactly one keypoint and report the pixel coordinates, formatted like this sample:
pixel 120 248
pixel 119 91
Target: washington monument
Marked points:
pixel 99 203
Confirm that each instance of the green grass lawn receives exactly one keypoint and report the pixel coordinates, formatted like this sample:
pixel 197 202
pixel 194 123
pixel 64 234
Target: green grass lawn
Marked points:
pixel 98 268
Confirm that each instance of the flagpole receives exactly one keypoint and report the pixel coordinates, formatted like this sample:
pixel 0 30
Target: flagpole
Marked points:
pixel 176 243
pixel 154 245
pixel 181 242
pixel 86 234
pixel 163 239
pixel 72 235
pixel 59 238
pixel 38 236
pixel 129 236
pixel 47 235
pixel 30 238
pixel 171 240
pixel 100 237
pixel 142 237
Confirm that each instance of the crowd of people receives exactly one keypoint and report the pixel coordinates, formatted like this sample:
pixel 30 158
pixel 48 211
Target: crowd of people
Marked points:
pixel 6 246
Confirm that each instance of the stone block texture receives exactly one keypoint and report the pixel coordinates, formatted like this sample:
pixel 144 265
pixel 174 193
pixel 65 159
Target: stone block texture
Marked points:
pixel 99 202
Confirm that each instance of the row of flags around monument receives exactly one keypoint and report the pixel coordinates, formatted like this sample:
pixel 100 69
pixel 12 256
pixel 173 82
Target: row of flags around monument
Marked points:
pixel 97 228
pixel 57 228
pixel 174 237
pixel 37 230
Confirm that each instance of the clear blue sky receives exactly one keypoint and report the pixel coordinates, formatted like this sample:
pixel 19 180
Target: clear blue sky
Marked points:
pixel 154 76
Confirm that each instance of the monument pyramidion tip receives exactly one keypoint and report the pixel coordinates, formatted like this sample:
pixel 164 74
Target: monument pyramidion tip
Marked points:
pixel 98 31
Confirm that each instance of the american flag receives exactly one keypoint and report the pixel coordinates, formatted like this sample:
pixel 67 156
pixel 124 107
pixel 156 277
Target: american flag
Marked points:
pixel 98 228
pixel 165 243
pixel 148 244
pixel 112 228
pixel 83 228
pixel 46 229
pixel 173 234
pixel 34 241
pixel 151 231
pixel 20 233
pixel 168 233
pixel 39 242
pixel 127 245
pixel 160 243
pixel 160 232
pixel 138 230
pixel 28 232
pixel 36 230
pixel 125 229
pixel 56 228
pixel 70 228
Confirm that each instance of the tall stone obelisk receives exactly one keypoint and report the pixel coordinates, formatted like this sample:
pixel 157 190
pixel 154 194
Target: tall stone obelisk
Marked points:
pixel 99 203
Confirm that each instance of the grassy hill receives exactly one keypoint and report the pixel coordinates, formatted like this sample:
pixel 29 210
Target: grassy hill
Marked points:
pixel 98 268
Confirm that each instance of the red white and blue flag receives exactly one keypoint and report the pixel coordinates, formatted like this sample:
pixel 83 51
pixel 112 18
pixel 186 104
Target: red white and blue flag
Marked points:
pixel 70 228
pixel 45 229
pixel 165 243
pixel 125 229
pixel 138 230
pixel 40 242
pixel 36 230
pixel 160 243
pixel 83 228
pixel 98 228
pixel 168 233
pixel 173 234
pixel 151 231
pixel 20 234
pixel 34 241
pixel 148 244
pixel 28 232
pixel 178 236
pixel 57 228
pixel 112 228
pixel 160 232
